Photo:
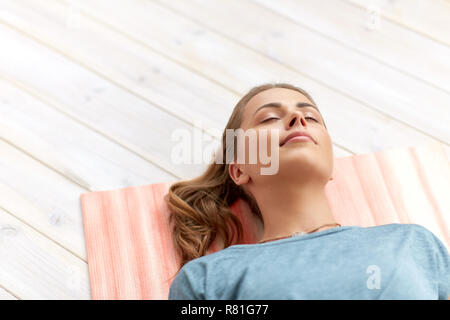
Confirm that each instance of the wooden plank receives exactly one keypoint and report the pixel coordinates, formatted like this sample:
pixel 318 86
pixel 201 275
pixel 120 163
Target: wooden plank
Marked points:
pixel 164 78
pixel 381 87
pixel 36 193
pixel 147 74
pixel 96 103
pixel 215 56
pixel 33 267
pixel 5 295
pixel 386 41
pixel 90 160
pixel 428 18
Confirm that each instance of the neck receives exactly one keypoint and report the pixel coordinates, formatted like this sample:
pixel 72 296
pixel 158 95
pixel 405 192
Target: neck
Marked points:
pixel 296 209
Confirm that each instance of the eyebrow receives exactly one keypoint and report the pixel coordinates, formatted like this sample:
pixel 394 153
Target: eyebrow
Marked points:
pixel 278 105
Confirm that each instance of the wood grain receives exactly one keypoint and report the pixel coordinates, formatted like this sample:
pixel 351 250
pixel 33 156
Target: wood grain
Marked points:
pixel 375 85
pixel 388 42
pixel 33 267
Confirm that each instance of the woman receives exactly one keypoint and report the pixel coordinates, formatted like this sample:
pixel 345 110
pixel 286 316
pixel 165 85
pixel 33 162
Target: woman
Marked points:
pixel 303 253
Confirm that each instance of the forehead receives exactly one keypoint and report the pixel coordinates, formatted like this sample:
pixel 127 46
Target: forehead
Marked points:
pixel 283 95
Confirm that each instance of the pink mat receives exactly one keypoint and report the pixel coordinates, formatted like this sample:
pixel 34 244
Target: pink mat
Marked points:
pixel 128 238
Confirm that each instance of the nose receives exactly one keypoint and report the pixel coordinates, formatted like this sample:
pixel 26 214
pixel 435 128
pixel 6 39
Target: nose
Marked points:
pixel 297 117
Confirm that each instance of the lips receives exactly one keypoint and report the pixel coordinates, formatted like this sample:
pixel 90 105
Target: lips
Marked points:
pixel 296 134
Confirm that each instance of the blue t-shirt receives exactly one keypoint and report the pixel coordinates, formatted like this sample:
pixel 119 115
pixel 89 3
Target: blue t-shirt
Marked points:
pixel 392 261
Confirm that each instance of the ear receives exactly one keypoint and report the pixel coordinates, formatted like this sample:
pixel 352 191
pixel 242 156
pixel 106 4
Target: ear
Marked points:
pixel 236 173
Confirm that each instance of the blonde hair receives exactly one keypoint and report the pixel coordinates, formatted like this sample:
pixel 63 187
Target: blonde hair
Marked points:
pixel 200 208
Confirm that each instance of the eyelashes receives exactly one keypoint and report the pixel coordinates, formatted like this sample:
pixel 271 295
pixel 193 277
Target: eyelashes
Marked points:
pixel 268 119
pixel 312 118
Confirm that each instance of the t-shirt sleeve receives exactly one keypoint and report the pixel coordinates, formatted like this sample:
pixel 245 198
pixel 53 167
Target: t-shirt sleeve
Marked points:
pixel 442 259
pixel 188 284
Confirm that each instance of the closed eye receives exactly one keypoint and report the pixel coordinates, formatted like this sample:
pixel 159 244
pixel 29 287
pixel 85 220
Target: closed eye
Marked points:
pixel 268 119
pixel 311 118
pixel 278 118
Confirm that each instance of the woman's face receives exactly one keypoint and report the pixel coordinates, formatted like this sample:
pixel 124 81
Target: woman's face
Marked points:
pixel 302 158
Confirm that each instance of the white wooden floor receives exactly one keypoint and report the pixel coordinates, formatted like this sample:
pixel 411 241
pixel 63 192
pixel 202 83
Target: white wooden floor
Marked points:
pixel 91 90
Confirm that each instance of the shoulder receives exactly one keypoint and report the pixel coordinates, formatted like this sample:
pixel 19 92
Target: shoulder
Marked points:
pixel 405 229
pixel 417 236
pixel 421 233
pixel 210 262
pixel 191 281
pixel 401 227
pixel 188 283
pixel 423 246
